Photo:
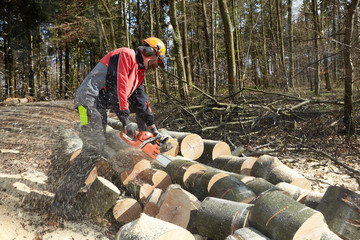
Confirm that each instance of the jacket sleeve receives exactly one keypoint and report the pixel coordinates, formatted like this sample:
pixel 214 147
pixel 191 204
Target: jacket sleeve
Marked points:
pixel 139 103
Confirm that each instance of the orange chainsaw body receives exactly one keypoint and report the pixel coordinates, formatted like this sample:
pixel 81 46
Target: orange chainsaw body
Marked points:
pixel 145 141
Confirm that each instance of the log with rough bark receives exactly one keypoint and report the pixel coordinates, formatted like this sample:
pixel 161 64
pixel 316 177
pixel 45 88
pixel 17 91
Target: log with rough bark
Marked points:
pixel 152 206
pixel 191 145
pixel 126 210
pixel 176 205
pixel 212 150
pixel 14 101
pixel 218 218
pixel 247 233
pixel 341 209
pixel 149 228
pixel 99 198
pixel 281 217
pixel 297 193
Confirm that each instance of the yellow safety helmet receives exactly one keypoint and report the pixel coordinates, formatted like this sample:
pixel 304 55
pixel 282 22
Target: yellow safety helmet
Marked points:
pixel 157 45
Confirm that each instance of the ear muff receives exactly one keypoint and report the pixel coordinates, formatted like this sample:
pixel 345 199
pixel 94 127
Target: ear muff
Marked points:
pixel 149 51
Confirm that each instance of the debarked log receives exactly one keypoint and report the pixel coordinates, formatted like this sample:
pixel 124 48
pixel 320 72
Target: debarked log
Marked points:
pixel 281 217
pixel 218 218
pixel 341 209
pixel 247 233
pixel 99 198
pixel 149 228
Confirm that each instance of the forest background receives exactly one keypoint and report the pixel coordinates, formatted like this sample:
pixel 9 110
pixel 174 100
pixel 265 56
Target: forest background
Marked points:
pixel 219 48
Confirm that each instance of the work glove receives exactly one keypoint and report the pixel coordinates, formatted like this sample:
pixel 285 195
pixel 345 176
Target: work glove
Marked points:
pixel 155 132
pixel 130 129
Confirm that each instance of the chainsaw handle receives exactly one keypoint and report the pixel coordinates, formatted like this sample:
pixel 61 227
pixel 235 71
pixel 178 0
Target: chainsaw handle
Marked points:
pixel 127 138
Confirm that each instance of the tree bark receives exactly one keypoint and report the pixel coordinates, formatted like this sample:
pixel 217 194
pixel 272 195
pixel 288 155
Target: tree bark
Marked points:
pixel 230 51
pixel 348 104
pixel 280 217
pixel 247 233
pixel 341 208
pixel 213 149
pixel 126 210
pixel 217 218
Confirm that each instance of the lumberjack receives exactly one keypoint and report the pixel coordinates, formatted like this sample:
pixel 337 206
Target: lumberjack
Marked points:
pixel 115 83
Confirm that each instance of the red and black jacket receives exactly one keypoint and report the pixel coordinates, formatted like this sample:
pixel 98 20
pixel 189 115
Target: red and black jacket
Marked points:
pixel 118 81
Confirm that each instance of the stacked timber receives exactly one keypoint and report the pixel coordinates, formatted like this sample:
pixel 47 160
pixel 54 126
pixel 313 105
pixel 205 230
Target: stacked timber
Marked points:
pixel 212 194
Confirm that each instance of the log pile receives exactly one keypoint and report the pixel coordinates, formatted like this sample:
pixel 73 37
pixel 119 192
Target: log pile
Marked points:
pixel 207 193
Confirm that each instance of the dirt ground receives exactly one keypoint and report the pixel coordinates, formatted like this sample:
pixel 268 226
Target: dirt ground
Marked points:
pixel 27 145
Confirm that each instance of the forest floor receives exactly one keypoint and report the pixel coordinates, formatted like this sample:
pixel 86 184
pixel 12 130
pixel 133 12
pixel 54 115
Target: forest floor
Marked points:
pixel 307 138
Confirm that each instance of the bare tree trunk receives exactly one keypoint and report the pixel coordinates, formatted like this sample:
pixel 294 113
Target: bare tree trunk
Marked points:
pixel 265 55
pixel 207 46
pixel 67 70
pixel 183 88
pixel 230 51
pixel 31 78
pixel 316 46
pixel 281 42
pixel 348 105
pixel 186 46
pixel 213 81
pixel 111 24
pixel 291 45
pixel 125 23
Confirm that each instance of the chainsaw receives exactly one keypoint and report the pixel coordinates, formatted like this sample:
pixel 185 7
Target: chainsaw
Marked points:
pixel 148 144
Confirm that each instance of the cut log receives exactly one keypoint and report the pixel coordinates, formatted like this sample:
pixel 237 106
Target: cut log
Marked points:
pixel 263 166
pixel 281 217
pixel 258 185
pixel 152 206
pixel 138 167
pixel 191 145
pixel 313 199
pixel 38 200
pixel 157 178
pixel 177 168
pixel 247 165
pixel 233 163
pixel 140 191
pixel 174 151
pixel 126 210
pixel 176 206
pixel 283 173
pixel 149 228
pixel 247 233
pixel 341 209
pixel 218 218
pixel 231 188
pixel 212 150
pixel 329 235
pixel 99 198
pixel 297 193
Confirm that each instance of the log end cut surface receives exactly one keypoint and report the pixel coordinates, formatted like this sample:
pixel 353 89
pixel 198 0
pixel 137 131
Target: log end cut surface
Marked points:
pixel 192 146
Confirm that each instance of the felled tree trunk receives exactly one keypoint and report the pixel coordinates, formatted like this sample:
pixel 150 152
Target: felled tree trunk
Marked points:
pixel 212 150
pixel 273 170
pixel 176 206
pixel 313 199
pixel 149 228
pixel 191 145
pixel 138 167
pixel 177 168
pixel 99 198
pixel 247 233
pixel 329 235
pixel 281 217
pixel 257 185
pixel 233 163
pixel 218 218
pixel 341 209
pixel 297 193
pixel 126 210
